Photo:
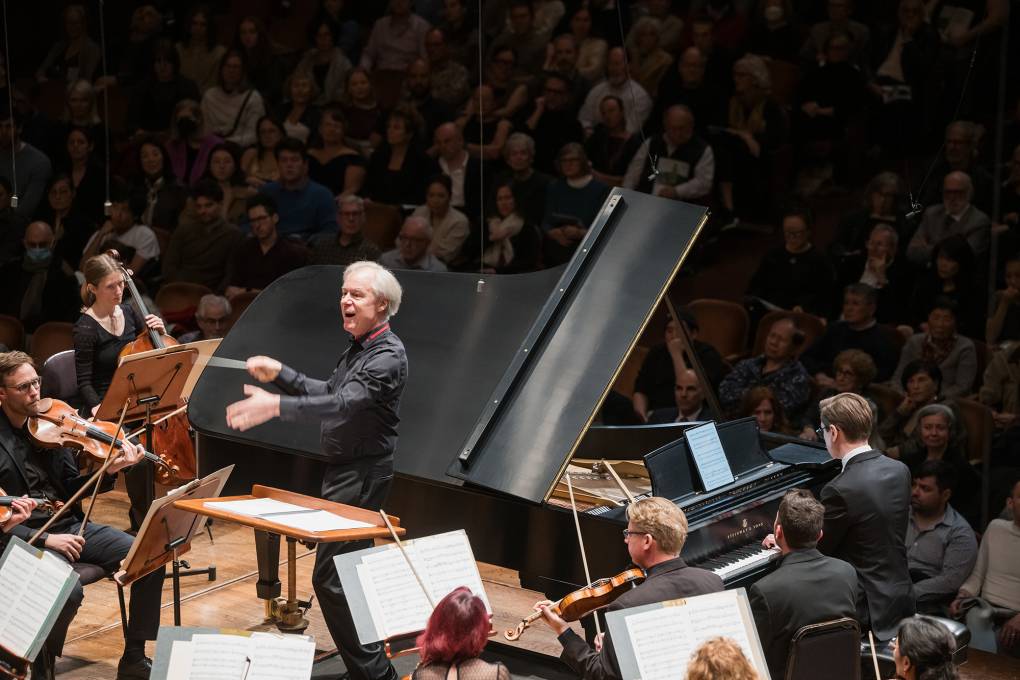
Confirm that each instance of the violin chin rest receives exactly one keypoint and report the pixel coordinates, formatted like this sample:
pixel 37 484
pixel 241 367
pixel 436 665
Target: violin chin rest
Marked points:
pixel 43 405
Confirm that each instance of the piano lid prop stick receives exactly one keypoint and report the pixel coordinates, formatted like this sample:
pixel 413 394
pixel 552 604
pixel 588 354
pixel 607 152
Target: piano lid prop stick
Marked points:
pixel 874 657
pixel 407 558
pixel 580 543
pixel 619 482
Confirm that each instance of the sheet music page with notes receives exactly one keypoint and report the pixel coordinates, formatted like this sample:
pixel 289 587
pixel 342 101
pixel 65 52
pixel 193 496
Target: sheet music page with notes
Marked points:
pixel 663 637
pixel 216 657
pixel 267 656
pixel 30 589
pixel 709 456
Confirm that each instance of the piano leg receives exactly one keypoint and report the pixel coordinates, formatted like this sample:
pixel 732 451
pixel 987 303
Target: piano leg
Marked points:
pixel 267 553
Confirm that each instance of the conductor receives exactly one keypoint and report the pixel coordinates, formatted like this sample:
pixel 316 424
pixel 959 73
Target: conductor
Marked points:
pixel 357 407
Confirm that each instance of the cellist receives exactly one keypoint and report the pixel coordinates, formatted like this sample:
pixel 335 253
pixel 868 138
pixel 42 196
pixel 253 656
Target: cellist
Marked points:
pixel 106 325
pixel 655 534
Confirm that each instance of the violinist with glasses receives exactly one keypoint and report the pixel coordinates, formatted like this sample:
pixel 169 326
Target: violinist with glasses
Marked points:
pixel 655 534
pixel 26 468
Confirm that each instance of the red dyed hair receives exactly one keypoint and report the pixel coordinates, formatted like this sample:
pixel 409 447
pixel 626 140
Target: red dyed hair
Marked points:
pixel 457 630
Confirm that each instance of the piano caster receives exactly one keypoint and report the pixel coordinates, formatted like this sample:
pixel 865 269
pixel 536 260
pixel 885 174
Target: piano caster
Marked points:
pixel 288 615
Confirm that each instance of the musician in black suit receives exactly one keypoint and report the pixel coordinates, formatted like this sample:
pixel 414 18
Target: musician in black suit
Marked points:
pixel 655 534
pixel 867 510
pixel 807 587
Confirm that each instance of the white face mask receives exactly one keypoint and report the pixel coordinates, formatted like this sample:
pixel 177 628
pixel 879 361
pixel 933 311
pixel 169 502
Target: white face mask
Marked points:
pixel 773 13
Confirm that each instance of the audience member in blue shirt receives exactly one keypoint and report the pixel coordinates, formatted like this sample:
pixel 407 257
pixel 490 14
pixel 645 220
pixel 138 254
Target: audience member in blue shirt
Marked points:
pixel 306 208
pixel 571 203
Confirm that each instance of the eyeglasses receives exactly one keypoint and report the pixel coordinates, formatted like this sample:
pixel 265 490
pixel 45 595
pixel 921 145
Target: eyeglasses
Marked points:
pixel 820 433
pixel 627 533
pixel 26 386
pixel 215 321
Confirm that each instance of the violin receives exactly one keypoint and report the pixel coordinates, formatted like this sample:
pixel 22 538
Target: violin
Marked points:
pixel 56 424
pixel 171 439
pixel 40 504
pixel 584 601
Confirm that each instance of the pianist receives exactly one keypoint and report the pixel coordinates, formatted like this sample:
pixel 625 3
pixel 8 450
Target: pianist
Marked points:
pixel 655 534
pixel 357 407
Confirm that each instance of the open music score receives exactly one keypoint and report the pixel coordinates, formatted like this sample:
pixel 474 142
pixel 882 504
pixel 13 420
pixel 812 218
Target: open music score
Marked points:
pixel 709 456
pixel 231 655
pixel 289 514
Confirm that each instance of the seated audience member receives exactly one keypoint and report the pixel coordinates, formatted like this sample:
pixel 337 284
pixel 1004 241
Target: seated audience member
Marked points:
pixel 86 172
pixel 399 170
pixel 446 79
pixel 690 402
pixel 461 32
pixel 990 597
pixel 795 276
pixel 684 166
pixel 880 267
pixel 921 383
pixel 647 60
pixel 349 244
pixel 463 170
pixel 839 21
pixel 618 82
pixel 333 164
pixel 510 95
pixel 264 256
pixel 777 368
pixel 611 147
pixel 571 203
pixel 521 35
pixel 135 242
pixel 30 165
pixel 955 215
pixel 510 244
pixel 153 99
pixel 201 247
pixel 942 345
pixel 853 371
pixel 325 62
pixel 686 84
pixel 413 248
pixel 395 40
pixel 591 49
pixel 720 659
pixel 213 318
pixel 232 108
pixel 365 118
pixel 75 55
pixel 225 170
pixel 417 94
pixel 857 329
pixel 961 154
pixel 762 403
pixel 1004 323
pixel 551 121
pixel 189 145
pixel 776 32
pixel 924 650
pixel 484 128
pixel 450 226
pixel 70 229
pixel 941 548
pixel 454 638
pixel 561 60
pixel 1000 387
pixel 807 587
pixel 954 274
pixel 305 207
pixel 38 286
pixel 754 127
pixel 671 34
pixel 266 71
pixel 880 206
pixel 156 187
pixel 199 53
pixel 299 113
pixel 259 160
pixel 530 186
pixel 655 535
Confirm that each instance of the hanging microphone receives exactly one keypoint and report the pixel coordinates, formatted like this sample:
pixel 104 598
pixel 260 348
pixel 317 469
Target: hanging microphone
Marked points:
pixel 655 168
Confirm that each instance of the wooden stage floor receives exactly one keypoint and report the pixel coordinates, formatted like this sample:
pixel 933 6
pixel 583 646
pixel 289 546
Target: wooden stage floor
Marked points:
pixel 95 641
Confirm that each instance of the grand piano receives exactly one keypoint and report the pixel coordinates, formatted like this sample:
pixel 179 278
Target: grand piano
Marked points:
pixel 507 376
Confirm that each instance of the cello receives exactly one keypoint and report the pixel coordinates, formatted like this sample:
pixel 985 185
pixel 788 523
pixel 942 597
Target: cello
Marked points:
pixel 171 438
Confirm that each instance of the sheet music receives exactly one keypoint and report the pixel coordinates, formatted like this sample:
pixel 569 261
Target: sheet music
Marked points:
pixel 180 660
pixel 281 657
pixel 29 589
pixel 664 639
pixel 256 507
pixel 709 456
pixel 226 656
pixel 317 521
pixel 218 657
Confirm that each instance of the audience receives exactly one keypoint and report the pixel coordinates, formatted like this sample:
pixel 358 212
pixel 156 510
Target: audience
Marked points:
pixel 333 164
pixel 396 39
pixel 199 53
pixel 201 246
pixel 941 345
pixel 213 318
pixel 133 240
pixel 571 203
pixel 299 113
pixel 259 160
pixel 325 63
pixel 611 147
pixel 618 82
pixel 530 187
pixel 955 215
pixel 189 145
pixel 1004 323
pixel 399 170
pixel 153 98
pixel 156 186
pixel 921 385
pixel 231 108
pixel 690 402
pixel 776 368
pixel 954 273
pixel 449 226
pixel 22 164
pixel 413 251
pixel 305 208
pixel 349 243
pixel 38 286
pixel 762 403
pixel 265 255
pixel 880 267
pixel 684 167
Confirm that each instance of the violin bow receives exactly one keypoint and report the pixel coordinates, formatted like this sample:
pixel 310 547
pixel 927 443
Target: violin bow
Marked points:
pixel 103 467
pixel 619 482
pixel 168 416
pixel 580 542
pixel 407 558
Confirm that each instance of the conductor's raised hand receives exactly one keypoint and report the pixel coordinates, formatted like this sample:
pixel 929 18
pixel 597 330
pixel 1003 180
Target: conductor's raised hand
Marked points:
pixel 263 369
pixel 258 408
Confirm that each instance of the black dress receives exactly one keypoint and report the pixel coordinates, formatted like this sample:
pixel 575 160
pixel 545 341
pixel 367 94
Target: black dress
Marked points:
pixel 331 174
pixel 97 352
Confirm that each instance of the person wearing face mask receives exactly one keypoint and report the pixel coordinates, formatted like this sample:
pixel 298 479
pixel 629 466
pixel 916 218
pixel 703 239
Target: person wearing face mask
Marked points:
pixel 942 345
pixel 189 147
pixel 38 287
pixel 879 267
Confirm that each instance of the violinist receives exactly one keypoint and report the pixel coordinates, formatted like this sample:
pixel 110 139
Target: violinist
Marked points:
pixel 26 468
pixel 655 534
pixel 357 407
pixel 105 326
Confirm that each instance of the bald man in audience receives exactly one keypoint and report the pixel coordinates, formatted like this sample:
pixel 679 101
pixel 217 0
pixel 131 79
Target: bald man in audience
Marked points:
pixel 690 402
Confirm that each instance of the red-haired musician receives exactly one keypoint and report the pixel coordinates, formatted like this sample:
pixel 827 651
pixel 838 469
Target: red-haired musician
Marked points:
pixel 453 638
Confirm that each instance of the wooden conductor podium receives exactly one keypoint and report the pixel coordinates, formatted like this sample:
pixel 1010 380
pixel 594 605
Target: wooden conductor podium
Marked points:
pixel 288 614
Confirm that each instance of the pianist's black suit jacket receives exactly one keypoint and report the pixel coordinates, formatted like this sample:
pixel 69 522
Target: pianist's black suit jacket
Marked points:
pixel 867 509
pixel 806 588
pixel 666 581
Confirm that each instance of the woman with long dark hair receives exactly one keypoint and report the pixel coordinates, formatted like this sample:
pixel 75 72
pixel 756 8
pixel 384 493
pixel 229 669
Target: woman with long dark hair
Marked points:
pixel 199 53
pixel 164 196
pixel 453 639
pixel 924 651
pixel 334 164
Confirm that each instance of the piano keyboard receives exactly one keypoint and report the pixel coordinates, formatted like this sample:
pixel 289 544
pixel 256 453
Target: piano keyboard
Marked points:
pixel 736 563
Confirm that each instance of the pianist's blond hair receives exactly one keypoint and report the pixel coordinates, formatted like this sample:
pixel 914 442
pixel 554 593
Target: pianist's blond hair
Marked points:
pixel 662 520
pixel 850 412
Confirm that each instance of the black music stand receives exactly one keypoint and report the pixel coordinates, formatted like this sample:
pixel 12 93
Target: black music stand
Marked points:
pixel 165 534
pixel 152 385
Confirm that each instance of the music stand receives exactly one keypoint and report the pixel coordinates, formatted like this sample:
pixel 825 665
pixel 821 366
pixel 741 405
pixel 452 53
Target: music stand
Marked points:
pixel 165 534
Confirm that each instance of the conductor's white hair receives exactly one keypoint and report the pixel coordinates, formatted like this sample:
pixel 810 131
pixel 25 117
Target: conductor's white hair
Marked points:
pixel 384 283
